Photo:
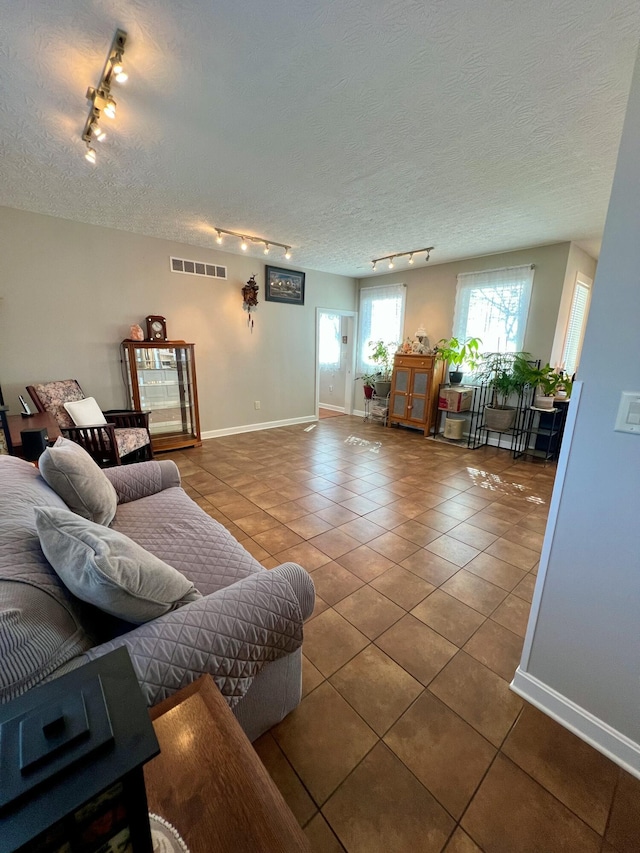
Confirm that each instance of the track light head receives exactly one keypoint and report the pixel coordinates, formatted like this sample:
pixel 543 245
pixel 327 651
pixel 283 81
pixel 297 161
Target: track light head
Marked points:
pixel 266 248
pixel 243 245
pixel 110 109
pixel 119 73
pixel 411 257
pixel 391 264
pixel 287 253
pixel 97 132
pixel 373 266
pixel 219 237
pixel 428 258
pixel 90 155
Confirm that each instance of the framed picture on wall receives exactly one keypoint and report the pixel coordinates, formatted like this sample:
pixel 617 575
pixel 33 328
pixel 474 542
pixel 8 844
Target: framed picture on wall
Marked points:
pixel 284 286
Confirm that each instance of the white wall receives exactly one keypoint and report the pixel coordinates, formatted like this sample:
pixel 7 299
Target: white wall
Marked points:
pixel 582 653
pixel 431 293
pixel 69 293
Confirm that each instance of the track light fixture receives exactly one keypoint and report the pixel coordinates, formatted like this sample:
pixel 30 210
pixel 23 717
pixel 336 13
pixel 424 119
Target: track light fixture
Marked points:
pixel 391 258
pixel 100 98
pixel 244 245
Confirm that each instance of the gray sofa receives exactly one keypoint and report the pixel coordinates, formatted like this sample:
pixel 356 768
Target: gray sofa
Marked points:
pixel 246 630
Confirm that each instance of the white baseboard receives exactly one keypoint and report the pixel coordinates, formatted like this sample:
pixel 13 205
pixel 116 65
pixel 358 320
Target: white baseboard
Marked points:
pixel 598 734
pixel 331 408
pixel 358 413
pixel 219 433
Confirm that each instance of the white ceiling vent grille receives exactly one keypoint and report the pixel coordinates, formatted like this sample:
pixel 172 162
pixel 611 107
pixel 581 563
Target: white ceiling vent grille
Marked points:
pixel 197 268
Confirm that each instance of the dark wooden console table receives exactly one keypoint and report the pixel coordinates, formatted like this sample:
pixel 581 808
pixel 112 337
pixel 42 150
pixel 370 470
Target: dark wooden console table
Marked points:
pixel 209 782
pixel 40 420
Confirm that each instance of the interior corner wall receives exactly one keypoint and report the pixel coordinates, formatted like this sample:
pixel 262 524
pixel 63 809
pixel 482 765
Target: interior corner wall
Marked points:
pixel 69 293
pixel 431 293
pixel 582 651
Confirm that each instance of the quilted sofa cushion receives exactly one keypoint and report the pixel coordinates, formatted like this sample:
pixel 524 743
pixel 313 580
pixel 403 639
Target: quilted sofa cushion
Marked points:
pixel 174 528
pixel 109 570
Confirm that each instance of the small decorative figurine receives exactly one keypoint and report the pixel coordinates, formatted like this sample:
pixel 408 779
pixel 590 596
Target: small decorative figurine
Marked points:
pixel 250 299
pixel 136 333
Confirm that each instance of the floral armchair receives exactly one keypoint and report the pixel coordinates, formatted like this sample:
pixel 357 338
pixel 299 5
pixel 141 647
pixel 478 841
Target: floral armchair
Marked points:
pixel 124 438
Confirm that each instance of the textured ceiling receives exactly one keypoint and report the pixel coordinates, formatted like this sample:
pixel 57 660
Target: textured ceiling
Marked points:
pixel 350 129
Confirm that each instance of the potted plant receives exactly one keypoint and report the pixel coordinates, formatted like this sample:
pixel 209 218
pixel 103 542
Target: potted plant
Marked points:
pixel 454 352
pixel 368 384
pixel 382 357
pixel 565 386
pixel 546 381
pixel 505 374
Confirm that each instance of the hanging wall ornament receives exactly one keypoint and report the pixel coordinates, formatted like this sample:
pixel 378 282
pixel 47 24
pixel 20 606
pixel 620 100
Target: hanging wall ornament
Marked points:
pixel 250 299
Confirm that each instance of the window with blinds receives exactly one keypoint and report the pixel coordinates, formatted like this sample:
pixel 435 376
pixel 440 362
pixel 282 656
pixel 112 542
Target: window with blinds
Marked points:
pixel 381 318
pixel 576 326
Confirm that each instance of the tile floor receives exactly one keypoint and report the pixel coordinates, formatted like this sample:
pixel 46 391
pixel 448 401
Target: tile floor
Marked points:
pixel 424 559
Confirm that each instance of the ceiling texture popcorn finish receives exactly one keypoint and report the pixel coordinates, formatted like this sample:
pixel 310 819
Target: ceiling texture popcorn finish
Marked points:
pixel 355 128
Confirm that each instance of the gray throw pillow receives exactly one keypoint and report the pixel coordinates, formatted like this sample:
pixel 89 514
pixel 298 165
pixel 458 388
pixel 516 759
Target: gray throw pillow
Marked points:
pixel 76 478
pixel 109 570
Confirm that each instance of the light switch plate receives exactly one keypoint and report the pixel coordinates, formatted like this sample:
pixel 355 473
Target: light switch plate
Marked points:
pixel 628 417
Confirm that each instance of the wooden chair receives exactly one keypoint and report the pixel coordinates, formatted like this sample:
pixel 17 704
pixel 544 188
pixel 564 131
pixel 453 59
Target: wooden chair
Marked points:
pixel 124 438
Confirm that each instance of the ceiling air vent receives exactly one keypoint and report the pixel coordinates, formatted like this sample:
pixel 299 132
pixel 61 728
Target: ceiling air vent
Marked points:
pixel 197 268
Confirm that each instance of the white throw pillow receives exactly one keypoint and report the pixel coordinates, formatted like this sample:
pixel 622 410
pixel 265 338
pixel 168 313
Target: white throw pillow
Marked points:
pixel 85 412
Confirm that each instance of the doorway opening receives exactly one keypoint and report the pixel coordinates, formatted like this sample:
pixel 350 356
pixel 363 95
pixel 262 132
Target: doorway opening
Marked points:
pixel 335 356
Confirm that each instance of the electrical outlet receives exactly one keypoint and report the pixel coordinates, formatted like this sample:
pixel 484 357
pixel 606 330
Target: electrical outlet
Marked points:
pixel 331 389
pixel 256 404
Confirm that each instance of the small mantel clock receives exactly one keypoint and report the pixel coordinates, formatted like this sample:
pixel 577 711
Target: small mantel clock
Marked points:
pixel 156 328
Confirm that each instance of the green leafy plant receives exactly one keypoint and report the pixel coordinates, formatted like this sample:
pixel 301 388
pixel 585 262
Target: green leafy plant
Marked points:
pixel 382 356
pixel 505 373
pixel 368 379
pixel 456 352
pixel 565 384
pixel 548 380
pixel 544 378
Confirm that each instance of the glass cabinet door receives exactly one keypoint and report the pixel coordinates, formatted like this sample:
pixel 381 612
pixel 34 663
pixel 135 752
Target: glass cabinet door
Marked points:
pixel 162 382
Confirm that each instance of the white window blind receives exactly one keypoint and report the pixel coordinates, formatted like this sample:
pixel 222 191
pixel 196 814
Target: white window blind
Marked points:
pixel 381 318
pixel 493 305
pixel 576 326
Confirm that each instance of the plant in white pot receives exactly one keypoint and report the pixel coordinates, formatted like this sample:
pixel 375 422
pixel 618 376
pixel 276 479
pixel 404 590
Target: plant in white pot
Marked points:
pixel 457 354
pixel 545 380
pixel 549 383
pixel 382 356
pixel 505 374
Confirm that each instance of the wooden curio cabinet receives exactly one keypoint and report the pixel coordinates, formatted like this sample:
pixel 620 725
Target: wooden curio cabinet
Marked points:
pixel 161 378
pixel 414 391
